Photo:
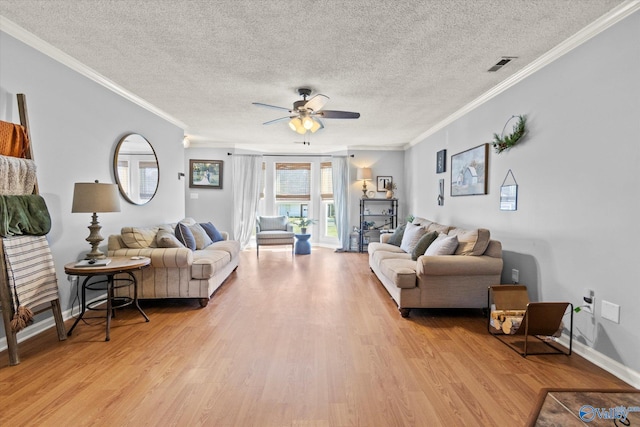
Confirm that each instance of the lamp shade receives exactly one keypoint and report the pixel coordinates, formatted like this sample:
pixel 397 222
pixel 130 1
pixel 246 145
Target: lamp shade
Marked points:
pixel 93 197
pixel 364 174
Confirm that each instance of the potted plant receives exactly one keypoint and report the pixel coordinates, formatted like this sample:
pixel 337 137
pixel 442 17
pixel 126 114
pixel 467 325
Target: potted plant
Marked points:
pixel 390 187
pixel 303 223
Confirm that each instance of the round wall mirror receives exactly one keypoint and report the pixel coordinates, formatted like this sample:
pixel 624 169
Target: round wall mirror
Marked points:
pixel 135 166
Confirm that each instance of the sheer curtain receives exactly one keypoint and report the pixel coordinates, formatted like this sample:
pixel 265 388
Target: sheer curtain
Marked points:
pixel 247 170
pixel 340 178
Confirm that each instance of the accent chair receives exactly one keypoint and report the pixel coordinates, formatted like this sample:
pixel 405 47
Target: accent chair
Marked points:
pixel 273 230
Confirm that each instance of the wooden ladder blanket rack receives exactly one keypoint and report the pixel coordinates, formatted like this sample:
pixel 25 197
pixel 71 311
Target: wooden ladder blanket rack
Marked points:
pixel 6 301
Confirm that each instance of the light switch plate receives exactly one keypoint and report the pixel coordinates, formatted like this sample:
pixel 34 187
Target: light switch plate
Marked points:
pixel 610 311
pixel 193 195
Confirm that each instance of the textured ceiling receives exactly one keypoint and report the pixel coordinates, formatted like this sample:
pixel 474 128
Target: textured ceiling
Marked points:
pixel 404 65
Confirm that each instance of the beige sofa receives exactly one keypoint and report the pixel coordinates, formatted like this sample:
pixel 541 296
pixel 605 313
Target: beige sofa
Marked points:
pixel 175 272
pixel 444 281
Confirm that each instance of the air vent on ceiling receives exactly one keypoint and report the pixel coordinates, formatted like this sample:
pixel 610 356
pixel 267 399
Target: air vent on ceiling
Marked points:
pixel 504 61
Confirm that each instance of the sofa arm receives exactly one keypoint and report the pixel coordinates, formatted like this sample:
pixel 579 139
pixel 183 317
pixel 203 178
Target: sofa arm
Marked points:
pixel 384 237
pixel 458 265
pixel 160 257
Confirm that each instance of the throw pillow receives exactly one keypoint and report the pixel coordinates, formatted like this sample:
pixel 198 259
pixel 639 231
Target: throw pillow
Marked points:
pixel 184 234
pixel 138 237
pixel 396 237
pixel 412 233
pixel 443 245
pixel 201 236
pixel 212 232
pixel 422 245
pixel 166 239
pixel 471 242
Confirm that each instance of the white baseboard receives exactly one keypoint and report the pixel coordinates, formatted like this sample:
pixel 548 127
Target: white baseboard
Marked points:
pixel 615 368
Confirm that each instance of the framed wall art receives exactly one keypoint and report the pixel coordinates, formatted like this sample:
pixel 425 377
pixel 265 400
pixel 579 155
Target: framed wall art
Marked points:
pixel 469 171
pixel 441 161
pixel 205 174
pixel 382 182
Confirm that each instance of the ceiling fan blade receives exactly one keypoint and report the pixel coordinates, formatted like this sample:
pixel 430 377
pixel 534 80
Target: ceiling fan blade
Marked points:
pixel 277 120
pixel 317 102
pixel 332 114
pixel 260 104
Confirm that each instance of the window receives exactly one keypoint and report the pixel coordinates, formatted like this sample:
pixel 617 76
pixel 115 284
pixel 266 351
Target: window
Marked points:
pixel 293 181
pixel 326 181
pixel 148 179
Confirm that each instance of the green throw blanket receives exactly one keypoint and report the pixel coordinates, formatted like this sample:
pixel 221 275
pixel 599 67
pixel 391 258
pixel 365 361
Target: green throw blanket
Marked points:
pixel 24 215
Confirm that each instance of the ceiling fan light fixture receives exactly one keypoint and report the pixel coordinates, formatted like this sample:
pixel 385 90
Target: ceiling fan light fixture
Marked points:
pixel 308 122
pixel 296 125
pixel 316 126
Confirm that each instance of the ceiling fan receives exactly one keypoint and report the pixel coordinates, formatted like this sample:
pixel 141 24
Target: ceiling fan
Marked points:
pixel 306 114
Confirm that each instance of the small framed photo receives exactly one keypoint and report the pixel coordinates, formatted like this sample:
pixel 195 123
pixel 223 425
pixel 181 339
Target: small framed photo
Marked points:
pixel 382 182
pixel 205 174
pixel 441 161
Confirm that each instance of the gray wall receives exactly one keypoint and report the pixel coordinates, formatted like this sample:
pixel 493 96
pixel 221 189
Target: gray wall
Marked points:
pixel 75 126
pixel 577 225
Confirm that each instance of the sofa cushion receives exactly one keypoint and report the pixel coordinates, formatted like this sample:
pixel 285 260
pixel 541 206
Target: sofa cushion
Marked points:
pixel 401 271
pixel 443 245
pixel 421 221
pixel 167 239
pixel 412 233
pixel 232 247
pixel 471 242
pixel 212 232
pixel 273 223
pixel 207 263
pixel 396 237
pixel 139 237
pixel 434 226
pixel 186 237
pixel 422 245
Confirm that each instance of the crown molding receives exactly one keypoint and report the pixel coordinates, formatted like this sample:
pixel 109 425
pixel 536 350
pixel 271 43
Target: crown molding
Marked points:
pixel 19 33
pixel 613 17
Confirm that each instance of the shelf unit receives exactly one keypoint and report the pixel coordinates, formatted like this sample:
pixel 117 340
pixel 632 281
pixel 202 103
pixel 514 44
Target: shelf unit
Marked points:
pixel 372 210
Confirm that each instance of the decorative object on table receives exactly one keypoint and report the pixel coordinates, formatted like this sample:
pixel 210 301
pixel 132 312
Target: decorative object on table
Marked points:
pixel 205 174
pixel 504 142
pixel 509 194
pixel 304 223
pixel 135 161
pixel 469 171
pixel 382 182
pixel 364 175
pixel 390 186
pixel 94 197
pixel 441 161
pixel 441 192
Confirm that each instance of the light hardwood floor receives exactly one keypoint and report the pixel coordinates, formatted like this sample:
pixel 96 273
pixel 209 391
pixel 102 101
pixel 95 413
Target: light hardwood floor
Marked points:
pixel 309 340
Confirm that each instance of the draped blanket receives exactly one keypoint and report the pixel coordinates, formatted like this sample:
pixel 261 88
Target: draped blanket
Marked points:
pixel 13 140
pixel 24 215
pixel 17 176
pixel 31 274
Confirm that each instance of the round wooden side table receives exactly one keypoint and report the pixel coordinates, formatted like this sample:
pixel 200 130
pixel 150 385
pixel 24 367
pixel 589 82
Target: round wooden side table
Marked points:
pixel 117 265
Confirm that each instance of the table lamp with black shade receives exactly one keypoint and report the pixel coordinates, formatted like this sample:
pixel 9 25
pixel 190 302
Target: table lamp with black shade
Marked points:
pixel 94 197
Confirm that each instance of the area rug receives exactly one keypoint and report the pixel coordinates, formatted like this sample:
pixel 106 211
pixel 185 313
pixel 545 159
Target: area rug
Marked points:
pixel 583 407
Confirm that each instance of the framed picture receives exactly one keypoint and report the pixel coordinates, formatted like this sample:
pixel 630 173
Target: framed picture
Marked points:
pixel 383 181
pixel 441 161
pixel 469 171
pixel 205 173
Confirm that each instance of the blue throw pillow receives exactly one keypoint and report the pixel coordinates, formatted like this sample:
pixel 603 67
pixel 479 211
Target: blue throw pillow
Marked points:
pixel 212 231
pixel 186 237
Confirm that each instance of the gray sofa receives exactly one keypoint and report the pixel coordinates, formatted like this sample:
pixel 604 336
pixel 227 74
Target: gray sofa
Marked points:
pixel 443 281
pixel 176 271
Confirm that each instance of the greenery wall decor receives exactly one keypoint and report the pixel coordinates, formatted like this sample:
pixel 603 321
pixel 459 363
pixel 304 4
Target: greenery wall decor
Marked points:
pixel 504 142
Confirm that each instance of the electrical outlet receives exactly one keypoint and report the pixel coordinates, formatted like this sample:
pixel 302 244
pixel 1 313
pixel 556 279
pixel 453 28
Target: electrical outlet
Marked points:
pixel 515 275
pixel 589 301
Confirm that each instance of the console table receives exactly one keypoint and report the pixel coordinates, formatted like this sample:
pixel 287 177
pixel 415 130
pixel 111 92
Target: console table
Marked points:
pixel 117 265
